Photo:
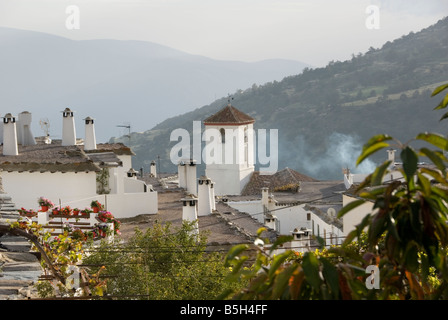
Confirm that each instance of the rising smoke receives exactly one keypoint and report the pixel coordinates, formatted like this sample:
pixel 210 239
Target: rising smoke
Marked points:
pixel 341 152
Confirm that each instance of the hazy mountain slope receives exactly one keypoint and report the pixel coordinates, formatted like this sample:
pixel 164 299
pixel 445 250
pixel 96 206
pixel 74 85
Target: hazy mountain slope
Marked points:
pixel 324 115
pixel 116 82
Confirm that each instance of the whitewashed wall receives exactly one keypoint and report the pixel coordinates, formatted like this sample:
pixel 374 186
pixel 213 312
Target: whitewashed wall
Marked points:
pixel 127 162
pixel 330 233
pixel 230 178
pixel 124 205
pixel 116 176
pixel 128 205
pixel 132 185
pixel 75 190
pixel 354 216
pixel 25 188
pixel 290 218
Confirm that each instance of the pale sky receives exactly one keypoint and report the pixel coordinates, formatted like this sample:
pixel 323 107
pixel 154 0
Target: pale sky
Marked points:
pixel 312 31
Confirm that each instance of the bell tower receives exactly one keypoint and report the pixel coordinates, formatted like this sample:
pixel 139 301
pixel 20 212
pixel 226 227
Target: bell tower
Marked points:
pixel 229 150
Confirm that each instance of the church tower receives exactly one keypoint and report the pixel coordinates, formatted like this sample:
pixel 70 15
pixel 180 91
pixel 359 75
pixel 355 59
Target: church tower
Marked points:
pixel 229 155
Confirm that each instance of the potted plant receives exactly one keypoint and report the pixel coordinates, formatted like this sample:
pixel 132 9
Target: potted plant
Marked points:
pixel 56 210
pixel 45 204
pixel 107 217
pixel 66 211
pixel 96 206
pixel 85 212
pixel 27 213
pixel 76 211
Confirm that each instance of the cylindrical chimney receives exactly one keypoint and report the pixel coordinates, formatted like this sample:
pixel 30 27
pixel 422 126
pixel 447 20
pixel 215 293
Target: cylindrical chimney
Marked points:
pixel 190 211
pixel 24 135
pixel 153 169
pixel 191 177
pixel 212 195
pixel 68 128
pixel 90 139
pixel 204 196
pixel 391 155
pixel 265 196
pixel 181 174
pixel 270 221
pixel 10 147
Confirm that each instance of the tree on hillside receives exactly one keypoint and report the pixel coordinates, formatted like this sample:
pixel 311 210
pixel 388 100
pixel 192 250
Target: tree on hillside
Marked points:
pixel 405 237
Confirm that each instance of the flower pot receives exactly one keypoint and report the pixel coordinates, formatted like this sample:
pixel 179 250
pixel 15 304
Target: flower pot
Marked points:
pixel 75 212
pixel 96 209
pixel 44 208
pixel 55 212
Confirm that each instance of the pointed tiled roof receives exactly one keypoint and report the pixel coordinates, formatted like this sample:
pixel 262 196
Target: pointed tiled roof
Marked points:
pixel 279 179
pixel 229 115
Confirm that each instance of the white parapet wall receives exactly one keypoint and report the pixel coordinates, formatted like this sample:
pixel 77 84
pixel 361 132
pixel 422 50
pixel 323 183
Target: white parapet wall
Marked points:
pixel 354 217
pixel 132 185
pixel 75 190
pixel 129 205
pixel 25 188
pixel 290 217
pixel 125 205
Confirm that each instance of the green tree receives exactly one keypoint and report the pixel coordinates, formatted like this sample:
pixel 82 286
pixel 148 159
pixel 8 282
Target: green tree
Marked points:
pixel 161 263
pixel 406 236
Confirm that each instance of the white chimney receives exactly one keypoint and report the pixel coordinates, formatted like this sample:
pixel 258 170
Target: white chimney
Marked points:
pixel 204 196
pixel 212 195
pixel 186 172
pixel 190 211
pixel 132 173
pixel 181 174
pixel 153 170
pixel 270 221
pixel 24 135
pixel 90 139
pixel 10 147
pixel 191 177
pixel 265 196
pixel 68 128
pixel 301 239
pixel 391 155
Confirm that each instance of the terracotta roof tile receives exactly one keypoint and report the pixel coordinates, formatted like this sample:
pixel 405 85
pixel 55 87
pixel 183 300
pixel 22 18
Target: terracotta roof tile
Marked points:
pixel 279 179
pixel 229 115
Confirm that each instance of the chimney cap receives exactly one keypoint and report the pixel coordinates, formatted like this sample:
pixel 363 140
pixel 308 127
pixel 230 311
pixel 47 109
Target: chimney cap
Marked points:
pixel 67 112
pixel 189 197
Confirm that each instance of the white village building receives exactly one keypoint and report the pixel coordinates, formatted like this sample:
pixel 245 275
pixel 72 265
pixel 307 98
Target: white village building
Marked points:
pixel 351 181
pixel 70 171
pixel 231 177
pixel 234 163
pixel 310 211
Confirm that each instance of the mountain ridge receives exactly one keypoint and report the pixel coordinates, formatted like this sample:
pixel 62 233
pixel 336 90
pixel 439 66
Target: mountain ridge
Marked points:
pixel 325 114
pixel 115 81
